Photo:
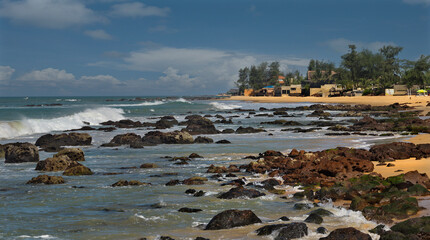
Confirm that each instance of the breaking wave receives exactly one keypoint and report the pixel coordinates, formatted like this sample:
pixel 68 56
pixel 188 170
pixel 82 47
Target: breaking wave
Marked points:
pixel 223 106
pixel 23 127
pixel 153 103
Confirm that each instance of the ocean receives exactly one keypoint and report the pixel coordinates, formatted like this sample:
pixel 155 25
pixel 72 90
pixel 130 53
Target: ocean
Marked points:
pixel 87 207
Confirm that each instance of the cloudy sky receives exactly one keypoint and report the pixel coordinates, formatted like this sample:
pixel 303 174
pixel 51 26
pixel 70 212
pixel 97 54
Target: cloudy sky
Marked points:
pixel 187 47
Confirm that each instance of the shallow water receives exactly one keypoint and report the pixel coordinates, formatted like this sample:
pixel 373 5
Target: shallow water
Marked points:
pixel 87 207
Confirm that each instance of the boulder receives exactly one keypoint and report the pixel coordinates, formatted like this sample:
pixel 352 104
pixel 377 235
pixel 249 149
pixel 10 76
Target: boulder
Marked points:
pixel 166 122
pixel 223 142
pixel 201 139
pixel 20 152
pixel 241 192
pixel 74 154
pixel 314 218
pixel 77 171
pixel 64 139
pixel 232 218
pixel 45 179
pixel 293 230
pixel 59 163
pixel 127 123
pixel 123 183
pixel 197 125
pixel 176 137
pixel 216 169
pixel 413 226
pixel 349 233
pixel 124 139
pixel 194 181
pixel 321 212
pixel 148 165
pixel 267 230
pixel 189 210
pixel 417 178
pixel 194 155
pixel 242 130
pixel 393 151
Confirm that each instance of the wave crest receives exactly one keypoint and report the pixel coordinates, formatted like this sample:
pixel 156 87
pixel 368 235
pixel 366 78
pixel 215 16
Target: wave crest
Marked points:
pixel 31 126
pixel 224 106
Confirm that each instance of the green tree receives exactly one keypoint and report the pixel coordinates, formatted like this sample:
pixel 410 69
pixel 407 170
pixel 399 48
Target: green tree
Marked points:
pixel 417 72
pixel 390 67
pixel 243 82
pixel 274 73
pixel 351 62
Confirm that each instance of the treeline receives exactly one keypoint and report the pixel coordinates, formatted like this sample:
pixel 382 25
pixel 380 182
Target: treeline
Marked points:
pixel 364 69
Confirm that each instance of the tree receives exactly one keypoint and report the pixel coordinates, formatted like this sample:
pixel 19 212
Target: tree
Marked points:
pixel 390 67
pixel 350 62
pixel 273 73
pixel 243 82
pixel 417 72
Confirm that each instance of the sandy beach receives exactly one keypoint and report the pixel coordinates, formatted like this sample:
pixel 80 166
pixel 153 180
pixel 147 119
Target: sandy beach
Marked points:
pixel 418 102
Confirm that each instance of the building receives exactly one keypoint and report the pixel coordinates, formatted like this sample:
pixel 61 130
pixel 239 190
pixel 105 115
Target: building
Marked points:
pixel 293 90
pixel 400 90
pixel 326 90
pixel 233 92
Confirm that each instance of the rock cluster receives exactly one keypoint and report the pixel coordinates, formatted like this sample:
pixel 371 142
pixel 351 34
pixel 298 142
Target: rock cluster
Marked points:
pixel 20 152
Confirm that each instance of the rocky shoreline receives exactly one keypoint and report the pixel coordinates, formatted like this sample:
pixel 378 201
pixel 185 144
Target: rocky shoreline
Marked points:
pixel 329 175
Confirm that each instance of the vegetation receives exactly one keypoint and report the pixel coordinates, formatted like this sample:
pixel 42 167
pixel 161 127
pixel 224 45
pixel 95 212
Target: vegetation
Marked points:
pixel 370 71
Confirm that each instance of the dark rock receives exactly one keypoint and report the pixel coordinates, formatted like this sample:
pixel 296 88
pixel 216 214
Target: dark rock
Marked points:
pixel 240 192
pixel 45 179
pixel 77 171
pixel 71 139
pixel 302 206
pixel 413 226
pixel 190 191
pixel 166 122
pixel 176 137
pixel 417 178
pixel 194 155
pixel 228 131
pixel 293 230
pixel 148 165
pixel 194 181
pixel 124 183
pixel 74 154
pixel 223 142
pixel 321 212
pixel 216 169
pixel 199 194
pixel 242 130
pixel 347 233
pixel 173 182
pixel 314 218
pixel 201 139
pixel 197 125
pixel 267 230
pixel 232 218
pixel 60 163
pixel 284 218
pixel 322 230
pixel 189 210
pixel 20 152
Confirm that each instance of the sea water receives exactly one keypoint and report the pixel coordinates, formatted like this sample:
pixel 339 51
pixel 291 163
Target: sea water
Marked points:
pixel 87 207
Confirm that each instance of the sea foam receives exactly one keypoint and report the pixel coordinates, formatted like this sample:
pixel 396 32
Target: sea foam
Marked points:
pixel 223 106
pixel 12 129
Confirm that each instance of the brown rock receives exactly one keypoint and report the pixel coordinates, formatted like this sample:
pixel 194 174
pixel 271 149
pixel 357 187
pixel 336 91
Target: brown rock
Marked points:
pixel 53 164
pixel 20 152
pixel 45 179
pixel 77 171
pixel 75 154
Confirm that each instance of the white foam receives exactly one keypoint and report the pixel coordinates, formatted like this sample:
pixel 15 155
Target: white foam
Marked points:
pixel 154 103
pixel 224 106
pixel 23 127
pixel 38 237
pixel 153 218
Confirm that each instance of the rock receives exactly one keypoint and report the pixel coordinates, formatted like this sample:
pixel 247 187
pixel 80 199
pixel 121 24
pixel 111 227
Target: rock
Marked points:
pixel 413 226
pixel 321 212
pixel 347 233
pixel 241 192
pixel 71 139
pixel 124 139
pixel 124 183
pixel 223 142
pixel 197 125
pixel 201 139
pixel 322 230
pixel 227 131
pixel 302 206
pixel 190 191
pixel 417 178
pixel 20 152
pixel 232 218
pixel 173 182
pixel 199 194
pixel 267 230
pixel 189 210
pixel 284 218
pixel 393 151
pixel 176 137
pixel 75 154
pixel 148 165
pixel 194 155
pixel 53 164
pixel 314 218
pixel 195 181
pixel 77 171
pixel 242 130
pixel 319 113
pixel 269 184
pixel 166 122
pixel 390 165
pixel 293 230
pixel 45 179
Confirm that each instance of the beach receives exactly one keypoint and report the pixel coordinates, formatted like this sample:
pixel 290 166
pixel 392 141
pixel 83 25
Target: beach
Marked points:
pixel 142 165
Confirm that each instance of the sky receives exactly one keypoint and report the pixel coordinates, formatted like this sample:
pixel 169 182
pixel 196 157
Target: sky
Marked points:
pixel 187 47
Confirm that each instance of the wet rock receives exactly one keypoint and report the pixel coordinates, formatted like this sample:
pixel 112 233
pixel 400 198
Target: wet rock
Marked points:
pixel 302 206
pixel 148 165
pixel 223 142
pixel 199 194
pixel 124 183
pixel 322 230
pixel 284 218
pixel 396 150
pixel 418 190
pixel 77 171
pixel 127 123
pixel 124 139
pixel 194 155
pixel 201 238
pixel 45 179
pixel 321 212
pixel 176 137
pixel 189 210
pixel 53 164
pixel 242 130
pixel 390 165
pixel 314 218
pixel 228 131
pixel 166 238
pixel 232 218
pixel 20 152
pixel 417 178
pixel 319 113
pixel 195 181
pixel 197 125
pixel 241 192
pixel 173 182
pixel 166 122
pixel 292 231
pixel 267 230
pixel 190 191
pixel 347 233
pixel 74 154
pixel 201 139
pixel 71 139
pixel 269 184
pixel 413 226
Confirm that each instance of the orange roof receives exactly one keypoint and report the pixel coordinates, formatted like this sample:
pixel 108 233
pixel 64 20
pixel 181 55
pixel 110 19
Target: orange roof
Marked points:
pixel 281 77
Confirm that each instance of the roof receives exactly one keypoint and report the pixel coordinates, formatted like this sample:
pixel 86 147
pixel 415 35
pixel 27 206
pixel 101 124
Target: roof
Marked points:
pixel 271 86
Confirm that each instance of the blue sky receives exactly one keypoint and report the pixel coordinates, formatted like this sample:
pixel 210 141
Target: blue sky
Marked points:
pixel 187 47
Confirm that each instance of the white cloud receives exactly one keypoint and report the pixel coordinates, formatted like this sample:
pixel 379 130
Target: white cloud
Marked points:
pixel 6 72
pixel 48 75
pixel 172 77
pixel 341 45
pixel 99 80
pixel 425 2
pixel 137 9
pixel 98 34
pixel 55 14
